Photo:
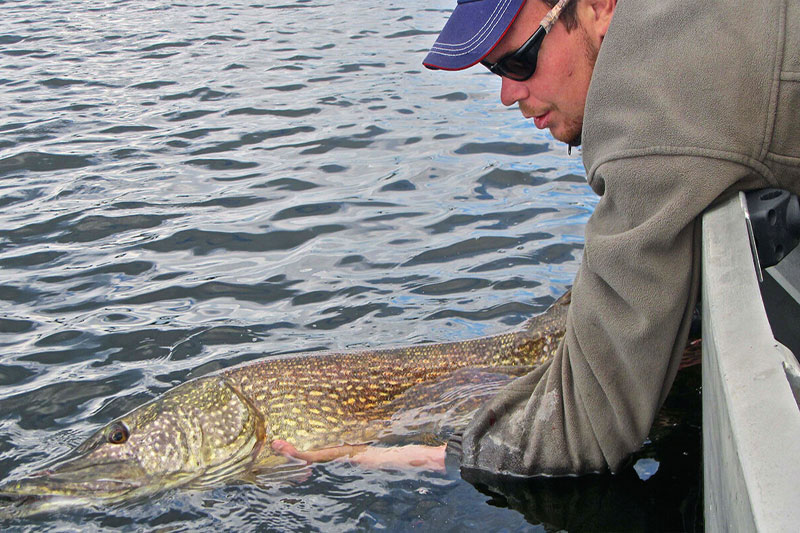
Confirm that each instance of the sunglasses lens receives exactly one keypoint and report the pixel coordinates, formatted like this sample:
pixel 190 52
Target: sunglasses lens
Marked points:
pixel 519 65
pixel 519 68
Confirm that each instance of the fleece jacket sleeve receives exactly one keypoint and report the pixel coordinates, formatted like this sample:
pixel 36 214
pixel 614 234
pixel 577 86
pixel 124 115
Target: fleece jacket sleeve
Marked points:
pixel 687 104
pixel 675 121
pixel 627 327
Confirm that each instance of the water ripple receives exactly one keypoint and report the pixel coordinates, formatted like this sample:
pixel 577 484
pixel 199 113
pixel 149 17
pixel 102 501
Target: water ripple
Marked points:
pixel 204 242
pixel 42 162
pixel 185 186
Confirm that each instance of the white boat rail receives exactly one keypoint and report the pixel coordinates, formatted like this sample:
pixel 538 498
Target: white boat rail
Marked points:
pixel 751 420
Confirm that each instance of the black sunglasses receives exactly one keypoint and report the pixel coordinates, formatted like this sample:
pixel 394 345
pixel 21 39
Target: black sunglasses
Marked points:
pixel 520 64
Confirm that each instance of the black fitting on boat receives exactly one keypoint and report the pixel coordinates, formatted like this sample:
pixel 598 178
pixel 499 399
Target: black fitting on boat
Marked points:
pixel 775 219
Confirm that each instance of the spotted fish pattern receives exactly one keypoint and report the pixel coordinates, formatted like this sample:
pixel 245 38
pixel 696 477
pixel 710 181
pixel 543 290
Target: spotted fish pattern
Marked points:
pixel 220 427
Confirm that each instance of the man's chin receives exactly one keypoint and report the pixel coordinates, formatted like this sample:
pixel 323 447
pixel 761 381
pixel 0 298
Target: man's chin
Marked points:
pixel 572 136
pixel 575 141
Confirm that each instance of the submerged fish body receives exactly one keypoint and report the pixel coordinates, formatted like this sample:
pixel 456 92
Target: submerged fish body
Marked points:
pixel 220 427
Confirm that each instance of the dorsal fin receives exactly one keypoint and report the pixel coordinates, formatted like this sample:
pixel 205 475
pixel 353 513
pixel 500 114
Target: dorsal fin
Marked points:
pixel 554 318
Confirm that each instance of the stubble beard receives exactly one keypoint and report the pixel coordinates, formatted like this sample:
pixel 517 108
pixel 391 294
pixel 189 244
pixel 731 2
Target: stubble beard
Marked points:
pixel 575 125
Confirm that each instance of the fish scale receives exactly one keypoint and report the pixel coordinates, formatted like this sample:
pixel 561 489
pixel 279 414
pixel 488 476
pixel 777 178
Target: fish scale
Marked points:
pixel 219 427
pixel 327 399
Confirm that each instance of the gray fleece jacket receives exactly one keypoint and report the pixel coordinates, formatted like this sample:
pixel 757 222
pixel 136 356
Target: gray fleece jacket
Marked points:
pixel 689 101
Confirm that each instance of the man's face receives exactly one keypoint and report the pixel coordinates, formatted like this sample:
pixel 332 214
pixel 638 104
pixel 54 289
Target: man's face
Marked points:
pixel 555 95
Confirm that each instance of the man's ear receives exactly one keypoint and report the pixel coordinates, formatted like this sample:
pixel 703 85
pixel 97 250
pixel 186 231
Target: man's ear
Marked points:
pixel 596 16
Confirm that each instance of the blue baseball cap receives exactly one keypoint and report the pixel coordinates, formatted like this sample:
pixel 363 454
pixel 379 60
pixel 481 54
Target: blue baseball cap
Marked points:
pixel 472 31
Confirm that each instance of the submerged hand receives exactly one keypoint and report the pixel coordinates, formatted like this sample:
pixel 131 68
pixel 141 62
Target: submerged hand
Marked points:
pixel 398 457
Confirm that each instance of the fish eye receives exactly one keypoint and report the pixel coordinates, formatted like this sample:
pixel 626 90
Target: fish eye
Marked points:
pixel 119 434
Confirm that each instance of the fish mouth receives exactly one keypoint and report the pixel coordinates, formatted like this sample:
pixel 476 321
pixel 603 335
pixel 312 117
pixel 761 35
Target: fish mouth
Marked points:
pixel 35 495
pixel 69 485
pixel 41 485
pixel 13 505
pixel 20 506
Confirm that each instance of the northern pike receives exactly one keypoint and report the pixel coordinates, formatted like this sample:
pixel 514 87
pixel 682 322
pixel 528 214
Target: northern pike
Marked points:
pixel 220 427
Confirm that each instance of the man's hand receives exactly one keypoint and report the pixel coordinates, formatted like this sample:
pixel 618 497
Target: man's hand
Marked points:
pixel 412 456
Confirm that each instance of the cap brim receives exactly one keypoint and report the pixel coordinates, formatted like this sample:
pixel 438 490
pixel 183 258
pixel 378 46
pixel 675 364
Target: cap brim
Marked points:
pixel 472 31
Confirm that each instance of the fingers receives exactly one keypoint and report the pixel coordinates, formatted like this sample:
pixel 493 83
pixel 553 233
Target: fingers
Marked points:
pixel 316 456
pixel 284 448
pixel 412 456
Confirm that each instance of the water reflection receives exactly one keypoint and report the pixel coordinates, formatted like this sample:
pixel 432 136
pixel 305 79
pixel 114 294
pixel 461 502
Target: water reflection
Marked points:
pixel 187 186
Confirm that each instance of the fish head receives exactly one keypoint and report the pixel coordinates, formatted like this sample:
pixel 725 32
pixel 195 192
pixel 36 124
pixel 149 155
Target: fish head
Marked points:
pixel 198 433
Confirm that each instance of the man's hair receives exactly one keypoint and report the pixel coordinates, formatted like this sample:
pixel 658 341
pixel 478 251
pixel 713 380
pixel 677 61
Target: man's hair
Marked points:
pixel 568 15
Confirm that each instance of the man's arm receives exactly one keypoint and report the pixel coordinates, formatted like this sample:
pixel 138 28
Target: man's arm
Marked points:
pixel 627 326
pixel 412 456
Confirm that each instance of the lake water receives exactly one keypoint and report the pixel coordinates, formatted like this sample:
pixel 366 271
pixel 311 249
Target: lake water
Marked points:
pixel 189 185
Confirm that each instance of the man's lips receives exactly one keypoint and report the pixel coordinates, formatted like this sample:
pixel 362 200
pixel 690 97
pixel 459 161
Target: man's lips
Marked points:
pixel 541 121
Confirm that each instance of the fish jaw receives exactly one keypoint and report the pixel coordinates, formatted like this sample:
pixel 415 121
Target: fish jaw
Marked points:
pixel 78 481
pixel 200 432
pixel 15 506
pixel 72 484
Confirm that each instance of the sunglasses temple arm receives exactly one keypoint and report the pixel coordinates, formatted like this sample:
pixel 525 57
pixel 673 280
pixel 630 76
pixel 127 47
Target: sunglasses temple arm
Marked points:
pixel 552 16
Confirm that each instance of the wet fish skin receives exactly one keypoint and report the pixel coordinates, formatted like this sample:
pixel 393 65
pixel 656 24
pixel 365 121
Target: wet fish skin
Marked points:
pixel 220 427
pixel 200 429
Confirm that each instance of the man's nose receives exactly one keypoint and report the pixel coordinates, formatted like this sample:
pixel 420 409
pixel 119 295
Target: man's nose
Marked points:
pixel 512 91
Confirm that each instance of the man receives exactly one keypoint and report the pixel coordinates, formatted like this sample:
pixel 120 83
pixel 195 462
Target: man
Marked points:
pixel 556 96
pixel 677 104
